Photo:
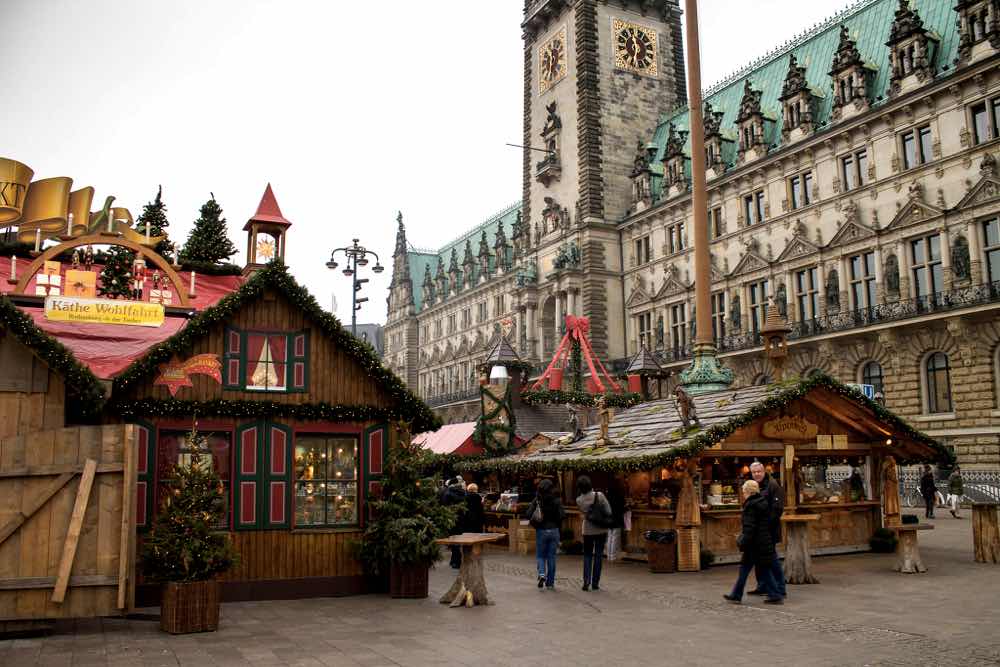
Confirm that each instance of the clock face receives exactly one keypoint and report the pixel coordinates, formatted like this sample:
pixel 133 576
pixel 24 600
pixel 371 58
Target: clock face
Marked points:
pixel 635 48
pixel 552 61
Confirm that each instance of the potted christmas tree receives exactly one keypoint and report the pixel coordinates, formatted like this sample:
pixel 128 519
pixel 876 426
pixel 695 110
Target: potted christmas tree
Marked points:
pixel 400 539
pixel 185 549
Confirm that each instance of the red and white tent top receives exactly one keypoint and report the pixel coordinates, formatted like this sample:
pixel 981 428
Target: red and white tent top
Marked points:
pixel 450 439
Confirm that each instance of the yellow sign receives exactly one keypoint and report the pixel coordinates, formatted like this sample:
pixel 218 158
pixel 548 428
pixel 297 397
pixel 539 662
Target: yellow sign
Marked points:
pixel 790 428
pixel 103 311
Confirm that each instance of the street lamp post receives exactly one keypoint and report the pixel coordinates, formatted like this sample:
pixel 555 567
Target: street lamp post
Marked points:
pixel 355 256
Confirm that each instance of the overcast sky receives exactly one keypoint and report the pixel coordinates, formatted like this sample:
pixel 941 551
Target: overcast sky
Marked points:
pixel 351 111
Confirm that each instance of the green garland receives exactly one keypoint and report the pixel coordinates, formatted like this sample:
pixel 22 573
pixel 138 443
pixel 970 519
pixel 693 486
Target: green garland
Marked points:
pixel 543 396
pixel 242 409
pixel 275 276
pixel 211 269
pixel 576 367
pixel 81 384
pixel 781 396
pixel 485 428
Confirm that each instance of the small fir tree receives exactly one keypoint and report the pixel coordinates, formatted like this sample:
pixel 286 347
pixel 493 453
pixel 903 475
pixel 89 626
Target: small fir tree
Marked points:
pixel 116 276
pixel 154 214
pixel 185 543
pixel 208 241
pixel 410 517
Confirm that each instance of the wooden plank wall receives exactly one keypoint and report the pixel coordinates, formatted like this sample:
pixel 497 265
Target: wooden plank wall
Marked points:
pixel 24 412
pixel 334 377
pixel 278 554
pixel 35 549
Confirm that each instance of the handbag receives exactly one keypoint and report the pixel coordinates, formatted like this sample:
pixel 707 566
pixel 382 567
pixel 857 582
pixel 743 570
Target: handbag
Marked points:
pixel 599 513
pixel 536 517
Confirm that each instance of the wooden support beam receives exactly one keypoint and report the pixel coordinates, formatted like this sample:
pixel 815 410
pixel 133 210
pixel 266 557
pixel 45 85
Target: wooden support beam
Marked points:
pixel 128 517
pixel 73 533
pixel 21 517
pixel 28 583
pixel 58 469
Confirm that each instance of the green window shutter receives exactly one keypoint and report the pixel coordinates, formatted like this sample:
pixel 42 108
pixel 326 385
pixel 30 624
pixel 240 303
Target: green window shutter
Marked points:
pixel 234 364
pixel 246 482
pixel 298 360
pixel 276 488
pixel 145 466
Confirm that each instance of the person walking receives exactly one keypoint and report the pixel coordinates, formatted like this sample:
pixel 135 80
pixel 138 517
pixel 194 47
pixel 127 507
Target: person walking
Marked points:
pixel 595 535
pixel 956 489
pixel 757 546
pixel 546 514
pixel 774 495
pixel 474 519
pixel 454 494
pixel 616 498
pixel 928 490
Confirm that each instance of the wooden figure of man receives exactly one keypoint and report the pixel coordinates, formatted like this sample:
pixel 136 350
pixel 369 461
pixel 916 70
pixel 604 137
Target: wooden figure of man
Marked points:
pixel 890 491
pixel 686 408
pixel 605 414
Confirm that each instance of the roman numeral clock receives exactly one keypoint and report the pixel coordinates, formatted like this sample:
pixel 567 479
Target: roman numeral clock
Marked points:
pixel 552 61
pixel 635 48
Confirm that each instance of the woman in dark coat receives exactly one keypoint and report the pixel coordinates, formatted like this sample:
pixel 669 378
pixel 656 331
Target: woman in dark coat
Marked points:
pixel 928 489
pixel 473 520
pixel 757 546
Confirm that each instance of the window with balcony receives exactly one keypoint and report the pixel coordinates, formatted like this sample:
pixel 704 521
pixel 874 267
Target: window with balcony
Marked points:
pixel 675 238
pixel 928 273
pixel 862 279
pixel 643 250
pixel 753 208
pixel 937 383
pixel 800 190
pixel 991 245
pixel 917 146
pixel 715 222
pixel 985 116
pixel 678 327
pixel 854 169
pixel 807 293
pixel 871 373
pixel 719 315
pixel 644 327
pixel 759 291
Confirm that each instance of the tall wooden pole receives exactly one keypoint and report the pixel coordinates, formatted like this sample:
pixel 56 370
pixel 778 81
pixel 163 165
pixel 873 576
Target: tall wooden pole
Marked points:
pixel 704 374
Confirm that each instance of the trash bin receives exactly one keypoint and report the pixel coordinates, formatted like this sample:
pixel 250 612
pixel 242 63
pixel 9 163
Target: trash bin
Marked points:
pixel 661 548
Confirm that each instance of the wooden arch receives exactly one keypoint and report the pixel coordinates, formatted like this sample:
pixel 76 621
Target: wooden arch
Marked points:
pixel 101 239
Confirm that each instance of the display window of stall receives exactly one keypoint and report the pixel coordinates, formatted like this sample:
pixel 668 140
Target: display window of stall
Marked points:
pixel 722 478
pixel 826 480
pixel 655 489
pixel 326 481
pixel 174 448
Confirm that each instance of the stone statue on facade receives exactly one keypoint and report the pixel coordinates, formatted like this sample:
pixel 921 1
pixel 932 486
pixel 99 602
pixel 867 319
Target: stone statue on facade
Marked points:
pixel 833 291
pixel 735 318
pixel 960 263
pixel 892 274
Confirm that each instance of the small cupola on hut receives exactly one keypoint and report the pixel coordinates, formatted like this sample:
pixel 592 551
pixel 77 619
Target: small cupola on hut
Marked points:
pixel 850 77
pixel 796 103
pixel 911 50
pixel 265 233
pixel 641 369
pixel 775 334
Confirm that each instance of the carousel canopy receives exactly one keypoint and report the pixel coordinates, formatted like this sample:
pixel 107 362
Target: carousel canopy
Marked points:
pixel 652 434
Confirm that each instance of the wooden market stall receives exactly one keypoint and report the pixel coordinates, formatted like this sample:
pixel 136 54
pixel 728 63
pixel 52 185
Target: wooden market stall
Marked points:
pixel 827 445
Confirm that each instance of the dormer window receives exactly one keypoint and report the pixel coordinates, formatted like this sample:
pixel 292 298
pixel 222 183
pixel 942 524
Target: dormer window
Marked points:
pixel 642 176
pixel 549 169
pixel 796 100
pixel 910 47
pixel 674 177
pixel 850 78
pixel 714 159
pixel 979 29
pixel 750 122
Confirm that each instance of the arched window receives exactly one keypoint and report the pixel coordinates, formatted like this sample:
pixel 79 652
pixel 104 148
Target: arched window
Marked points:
pixel 762 379
pixel 938 383
pixel 871 373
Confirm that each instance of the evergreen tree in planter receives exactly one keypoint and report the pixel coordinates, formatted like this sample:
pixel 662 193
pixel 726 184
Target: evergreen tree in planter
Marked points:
pixel 154 215
pixel 116 276
pixel 208 241
pixel 185 548
pixel 400 540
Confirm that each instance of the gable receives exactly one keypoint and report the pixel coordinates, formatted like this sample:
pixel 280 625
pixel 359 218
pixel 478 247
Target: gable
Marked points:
pixel 670 287
pixel 913 212
pixel 637 297
pixel 986 190
pixel 750 262
pixel 849 232
pixel 797 247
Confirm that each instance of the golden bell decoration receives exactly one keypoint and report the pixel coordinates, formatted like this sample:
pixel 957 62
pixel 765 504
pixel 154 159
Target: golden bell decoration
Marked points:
pixel 14 180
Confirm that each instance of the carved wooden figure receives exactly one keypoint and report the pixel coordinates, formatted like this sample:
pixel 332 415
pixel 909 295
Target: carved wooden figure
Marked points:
pixel 890 491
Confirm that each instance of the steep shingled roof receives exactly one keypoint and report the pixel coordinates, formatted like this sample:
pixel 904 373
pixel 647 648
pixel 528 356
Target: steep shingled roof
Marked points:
pixel 868 23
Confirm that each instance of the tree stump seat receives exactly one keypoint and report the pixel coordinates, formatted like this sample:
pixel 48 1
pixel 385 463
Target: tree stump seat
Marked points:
pixel 469 588
pixel 908 559
pixel 798 561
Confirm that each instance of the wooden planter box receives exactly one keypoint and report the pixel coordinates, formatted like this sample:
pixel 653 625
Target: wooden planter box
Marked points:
pixel 409 581
pixel 190 607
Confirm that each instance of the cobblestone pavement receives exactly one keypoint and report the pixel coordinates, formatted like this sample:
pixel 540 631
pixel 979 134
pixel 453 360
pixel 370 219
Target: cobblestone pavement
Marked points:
pixel 862 613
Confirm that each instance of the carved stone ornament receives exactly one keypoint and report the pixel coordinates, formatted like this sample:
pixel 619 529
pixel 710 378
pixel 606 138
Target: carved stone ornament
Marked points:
pixel 960 261
pixel 795 79
pixel 892 274
pixel 750 103
pixel 833 291
pixel 909 46
pixel 713 121
pixel 735 317
pixel 552 121
pixel 675 142
pixel 782 300
pixel 846 55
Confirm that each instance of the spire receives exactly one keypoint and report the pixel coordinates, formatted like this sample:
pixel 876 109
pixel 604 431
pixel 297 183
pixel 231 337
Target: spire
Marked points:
pixel 268 211
pixel 400 235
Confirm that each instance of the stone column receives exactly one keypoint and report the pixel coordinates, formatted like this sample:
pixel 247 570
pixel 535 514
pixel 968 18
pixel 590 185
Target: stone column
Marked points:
pixel 532 332
pixel 975 253
pixel 821 287
pixel 904 270
pixel 560 313
pixel 845 281
pixel 793 303
pixel 946 259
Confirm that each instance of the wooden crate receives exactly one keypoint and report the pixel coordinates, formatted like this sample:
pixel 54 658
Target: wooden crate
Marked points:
pixel 688 549
pixel 67 523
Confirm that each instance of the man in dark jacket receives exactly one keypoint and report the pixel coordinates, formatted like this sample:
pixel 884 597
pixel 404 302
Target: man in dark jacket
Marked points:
pixel 928 489
pixel 454 494
pixel 774 495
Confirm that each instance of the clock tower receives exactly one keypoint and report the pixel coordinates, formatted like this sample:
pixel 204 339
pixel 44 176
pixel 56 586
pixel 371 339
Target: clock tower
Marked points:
pixel 597 77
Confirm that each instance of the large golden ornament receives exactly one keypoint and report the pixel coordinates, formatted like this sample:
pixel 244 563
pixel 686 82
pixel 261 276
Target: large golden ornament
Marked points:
pixel 14 180
pixel 635 47
pixel 552 59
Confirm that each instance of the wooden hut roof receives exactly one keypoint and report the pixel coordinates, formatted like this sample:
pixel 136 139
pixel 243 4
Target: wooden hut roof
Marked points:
pixel 651 434
pixel 275 276
pixel 81 383
pixel 501 353
pixel 644 363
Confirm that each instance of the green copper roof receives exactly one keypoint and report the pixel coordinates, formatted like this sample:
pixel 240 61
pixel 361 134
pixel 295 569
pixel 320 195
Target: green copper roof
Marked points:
pixel 419 259
pixel 868 23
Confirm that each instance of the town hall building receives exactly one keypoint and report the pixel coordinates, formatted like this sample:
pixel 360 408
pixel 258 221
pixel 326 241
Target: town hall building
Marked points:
pixel 852 183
